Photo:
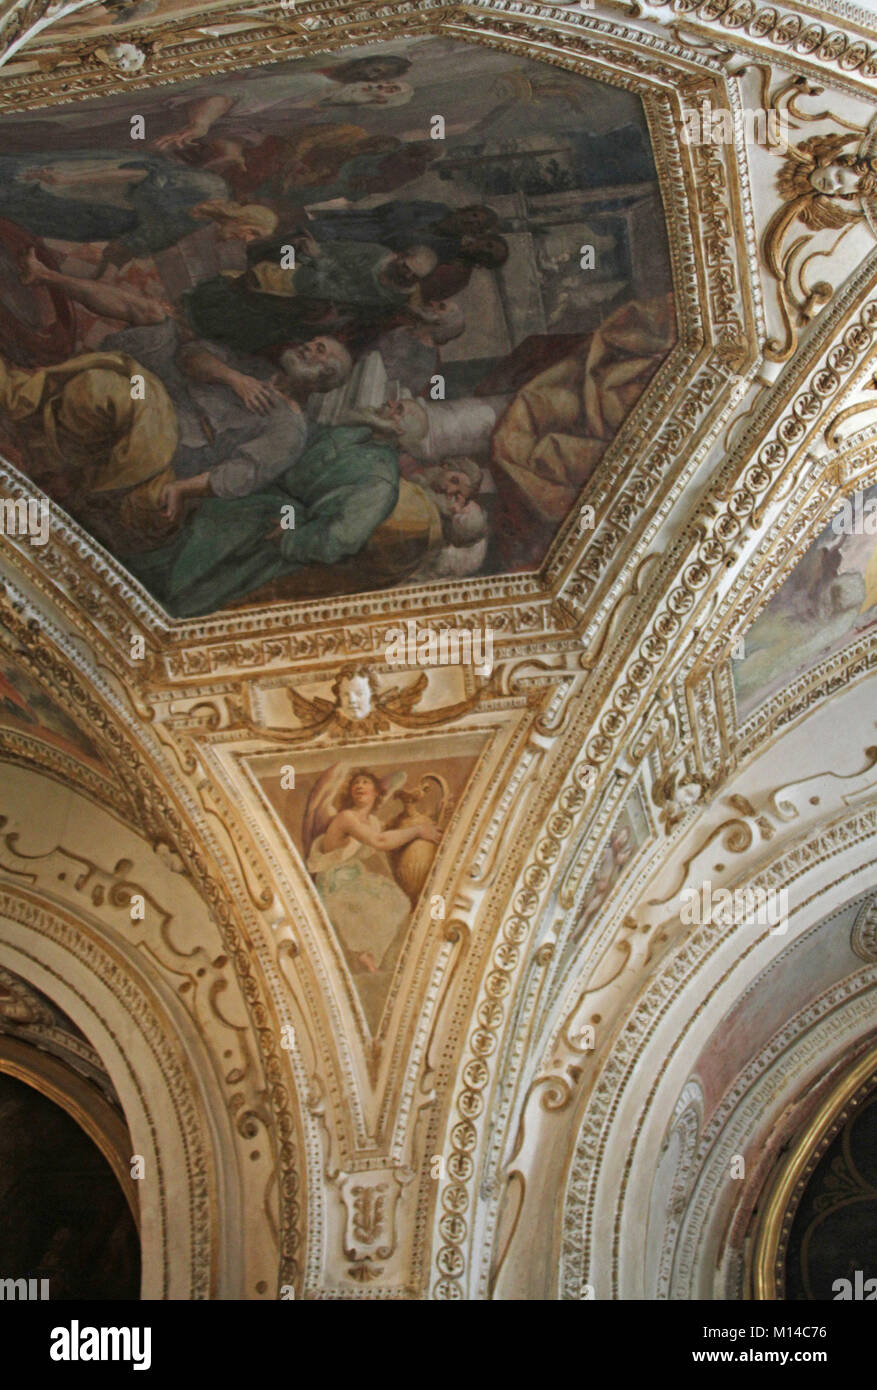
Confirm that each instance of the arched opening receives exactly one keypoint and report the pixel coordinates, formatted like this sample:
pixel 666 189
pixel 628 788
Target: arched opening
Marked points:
pixel 66 1225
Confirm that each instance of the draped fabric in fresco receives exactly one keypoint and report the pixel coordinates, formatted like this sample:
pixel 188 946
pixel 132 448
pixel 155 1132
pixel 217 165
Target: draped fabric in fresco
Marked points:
pixel 329 326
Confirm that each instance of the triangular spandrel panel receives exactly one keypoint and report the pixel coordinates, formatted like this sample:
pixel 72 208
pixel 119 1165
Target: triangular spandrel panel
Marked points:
pixel 368 826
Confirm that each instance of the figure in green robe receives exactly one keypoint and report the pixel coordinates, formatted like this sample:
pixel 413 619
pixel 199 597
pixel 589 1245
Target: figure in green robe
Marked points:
pixel 343 486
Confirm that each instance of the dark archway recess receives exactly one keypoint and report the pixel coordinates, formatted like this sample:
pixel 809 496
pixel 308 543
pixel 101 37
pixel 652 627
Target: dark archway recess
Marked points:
pixel 832 1247
pixel 63 1214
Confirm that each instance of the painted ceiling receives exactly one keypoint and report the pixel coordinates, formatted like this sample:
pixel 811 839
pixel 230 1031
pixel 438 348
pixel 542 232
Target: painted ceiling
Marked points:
pixel 488 381
pixel 394 933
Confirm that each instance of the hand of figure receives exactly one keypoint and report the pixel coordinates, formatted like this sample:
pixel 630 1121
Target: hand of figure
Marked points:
pixel 256 395
pixel 171 501
pixel 430 832
pixel 178 139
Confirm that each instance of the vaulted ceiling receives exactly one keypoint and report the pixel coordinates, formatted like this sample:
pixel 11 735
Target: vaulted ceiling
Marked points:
pixel 552 1080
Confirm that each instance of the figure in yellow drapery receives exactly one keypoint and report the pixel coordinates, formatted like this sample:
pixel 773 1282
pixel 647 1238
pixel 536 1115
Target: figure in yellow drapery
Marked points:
pixel 93 433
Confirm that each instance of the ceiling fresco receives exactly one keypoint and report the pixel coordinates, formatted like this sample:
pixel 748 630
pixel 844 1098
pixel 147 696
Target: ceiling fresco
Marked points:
pixel 355 323
pixel 26 710
pixel 829 599
pixel 96 18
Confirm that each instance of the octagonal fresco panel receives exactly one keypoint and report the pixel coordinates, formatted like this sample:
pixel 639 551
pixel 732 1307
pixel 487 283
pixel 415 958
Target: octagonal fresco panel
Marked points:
pixel 329 326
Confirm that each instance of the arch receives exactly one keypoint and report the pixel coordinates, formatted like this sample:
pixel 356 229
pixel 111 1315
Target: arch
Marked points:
pixel 108 997
pixel 93 1114
pixel 664 1028
pixel 791 1176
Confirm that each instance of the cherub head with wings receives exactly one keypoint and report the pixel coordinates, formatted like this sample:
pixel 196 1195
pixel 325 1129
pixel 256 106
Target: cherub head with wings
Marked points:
pixel 826 182
pixel 355 692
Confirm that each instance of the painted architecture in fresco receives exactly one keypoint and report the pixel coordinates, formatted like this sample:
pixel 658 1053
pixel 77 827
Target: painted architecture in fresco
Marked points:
pixel 382 316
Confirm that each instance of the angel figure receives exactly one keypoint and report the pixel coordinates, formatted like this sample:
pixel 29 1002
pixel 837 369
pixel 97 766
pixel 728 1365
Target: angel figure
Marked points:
pixel 341 831
pixel 827 187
